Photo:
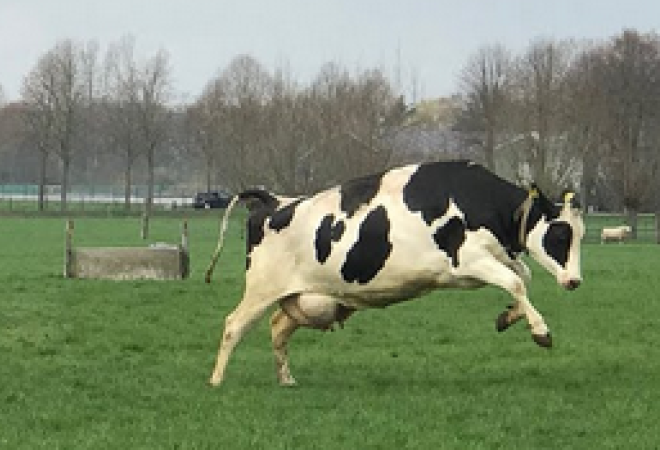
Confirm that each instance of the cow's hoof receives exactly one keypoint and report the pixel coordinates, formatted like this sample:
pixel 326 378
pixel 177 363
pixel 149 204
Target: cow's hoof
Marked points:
pixel 543 340
pixel 502 322
pixel 288 382
pixel 215 381
pixel 506 319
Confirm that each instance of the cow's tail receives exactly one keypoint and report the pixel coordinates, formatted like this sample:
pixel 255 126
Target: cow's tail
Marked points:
pixel 221 237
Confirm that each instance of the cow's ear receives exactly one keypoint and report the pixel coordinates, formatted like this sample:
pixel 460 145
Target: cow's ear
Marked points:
pixel 548 208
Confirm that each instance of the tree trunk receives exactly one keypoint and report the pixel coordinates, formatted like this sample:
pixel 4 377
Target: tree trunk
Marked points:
pixel 127 187
pixel 66 163
pixel 586 186
pixel 631 220
pixel 489 148
pixel 148 201
pixel 209 172
pixel 42 180
pixel 144 232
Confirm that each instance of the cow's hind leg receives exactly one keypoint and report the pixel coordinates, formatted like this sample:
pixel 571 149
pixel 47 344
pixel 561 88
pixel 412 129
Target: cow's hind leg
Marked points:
pixel 237 324
pixel 316 311
pixel 281 328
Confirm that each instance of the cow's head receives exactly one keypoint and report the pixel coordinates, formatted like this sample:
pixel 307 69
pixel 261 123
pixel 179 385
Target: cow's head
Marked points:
pixel 554 240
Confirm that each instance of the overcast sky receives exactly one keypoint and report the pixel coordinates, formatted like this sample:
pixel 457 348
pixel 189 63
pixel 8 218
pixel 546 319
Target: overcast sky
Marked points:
pixel 430 40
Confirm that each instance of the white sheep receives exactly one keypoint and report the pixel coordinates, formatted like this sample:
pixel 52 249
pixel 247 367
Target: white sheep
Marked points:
pixel 620 234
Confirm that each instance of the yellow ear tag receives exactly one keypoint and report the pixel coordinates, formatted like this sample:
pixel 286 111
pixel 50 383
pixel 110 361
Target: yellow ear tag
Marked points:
pixel 533 192
pixel 568 197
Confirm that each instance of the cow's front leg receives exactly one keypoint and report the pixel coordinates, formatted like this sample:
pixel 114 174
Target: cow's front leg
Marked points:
pixel 281 328
pixel 514 312
pixel 494 272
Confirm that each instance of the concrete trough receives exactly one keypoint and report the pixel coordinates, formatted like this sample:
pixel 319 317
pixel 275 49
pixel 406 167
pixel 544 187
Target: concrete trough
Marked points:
pixel 159 261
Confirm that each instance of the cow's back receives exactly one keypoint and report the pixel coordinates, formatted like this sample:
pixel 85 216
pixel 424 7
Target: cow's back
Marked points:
pixel 388 235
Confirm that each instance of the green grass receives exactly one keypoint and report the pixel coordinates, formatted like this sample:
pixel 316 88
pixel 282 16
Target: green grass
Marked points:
pixel 97 364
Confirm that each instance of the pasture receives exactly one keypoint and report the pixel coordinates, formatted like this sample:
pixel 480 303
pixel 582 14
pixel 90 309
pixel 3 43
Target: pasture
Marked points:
pixel 107 364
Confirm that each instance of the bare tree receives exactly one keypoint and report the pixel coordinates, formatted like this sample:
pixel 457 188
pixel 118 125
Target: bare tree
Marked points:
pixel 540 99
pixel 88 140
pixel 286 123
pixel 38 123
pixel 137 112
pixel 584 122
pixel 241 92
pixel 259 128
pixel 154 93
pixel 121 113
pixel 14 163
pixel 376 110
pixel 204 124
pixel 484 83
pixel 628 70
pixel 353 116
pixel 55 92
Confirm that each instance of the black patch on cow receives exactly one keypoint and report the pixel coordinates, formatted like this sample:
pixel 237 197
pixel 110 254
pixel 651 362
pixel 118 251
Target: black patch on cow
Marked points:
pixel 368 255
pixel 323 243
pixel 557 242
pixel 261 205
pixel 248 261
pixel 450 237
pixel 486 200
pixel 326 233
pixel 338 231
pixel 358 192
pixel 264 206
pixel 258 199
pixel 282 217
pixel 255 228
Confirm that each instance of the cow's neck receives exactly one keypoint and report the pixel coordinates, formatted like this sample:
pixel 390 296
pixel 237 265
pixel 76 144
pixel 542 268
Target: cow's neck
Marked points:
pixel 525 218
pixel 524 213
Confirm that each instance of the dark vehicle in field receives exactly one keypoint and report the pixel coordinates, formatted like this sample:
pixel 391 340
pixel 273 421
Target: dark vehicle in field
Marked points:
pixel 213 199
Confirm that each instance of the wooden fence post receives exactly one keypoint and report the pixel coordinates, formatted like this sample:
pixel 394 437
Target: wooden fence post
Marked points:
pixel 68 250
pixel 185 253
pixel 144 230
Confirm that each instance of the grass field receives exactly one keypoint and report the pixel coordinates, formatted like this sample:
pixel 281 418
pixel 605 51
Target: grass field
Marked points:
pixel 98 364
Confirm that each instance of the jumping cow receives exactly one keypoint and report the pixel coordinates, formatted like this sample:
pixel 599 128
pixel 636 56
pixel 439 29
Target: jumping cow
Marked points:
pixel 394 236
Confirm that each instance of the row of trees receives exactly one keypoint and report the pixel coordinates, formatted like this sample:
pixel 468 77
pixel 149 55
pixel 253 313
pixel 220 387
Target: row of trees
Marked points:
pixel 114 117
pixel 253 127
pixel 75 105
pixel 561 113
pixel 566 111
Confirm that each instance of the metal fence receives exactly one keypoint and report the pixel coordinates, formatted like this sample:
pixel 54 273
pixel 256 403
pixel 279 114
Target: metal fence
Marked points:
pixel 22 198
pixel 595 222
pixel 110 200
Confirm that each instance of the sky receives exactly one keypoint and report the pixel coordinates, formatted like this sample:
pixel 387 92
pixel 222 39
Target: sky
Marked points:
pixel 423 43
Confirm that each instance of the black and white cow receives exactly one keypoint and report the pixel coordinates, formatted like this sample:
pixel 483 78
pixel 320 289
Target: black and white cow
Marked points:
pixel 386 238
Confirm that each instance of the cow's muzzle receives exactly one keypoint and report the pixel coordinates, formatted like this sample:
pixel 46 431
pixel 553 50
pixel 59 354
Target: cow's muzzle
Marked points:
pixel 572 284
